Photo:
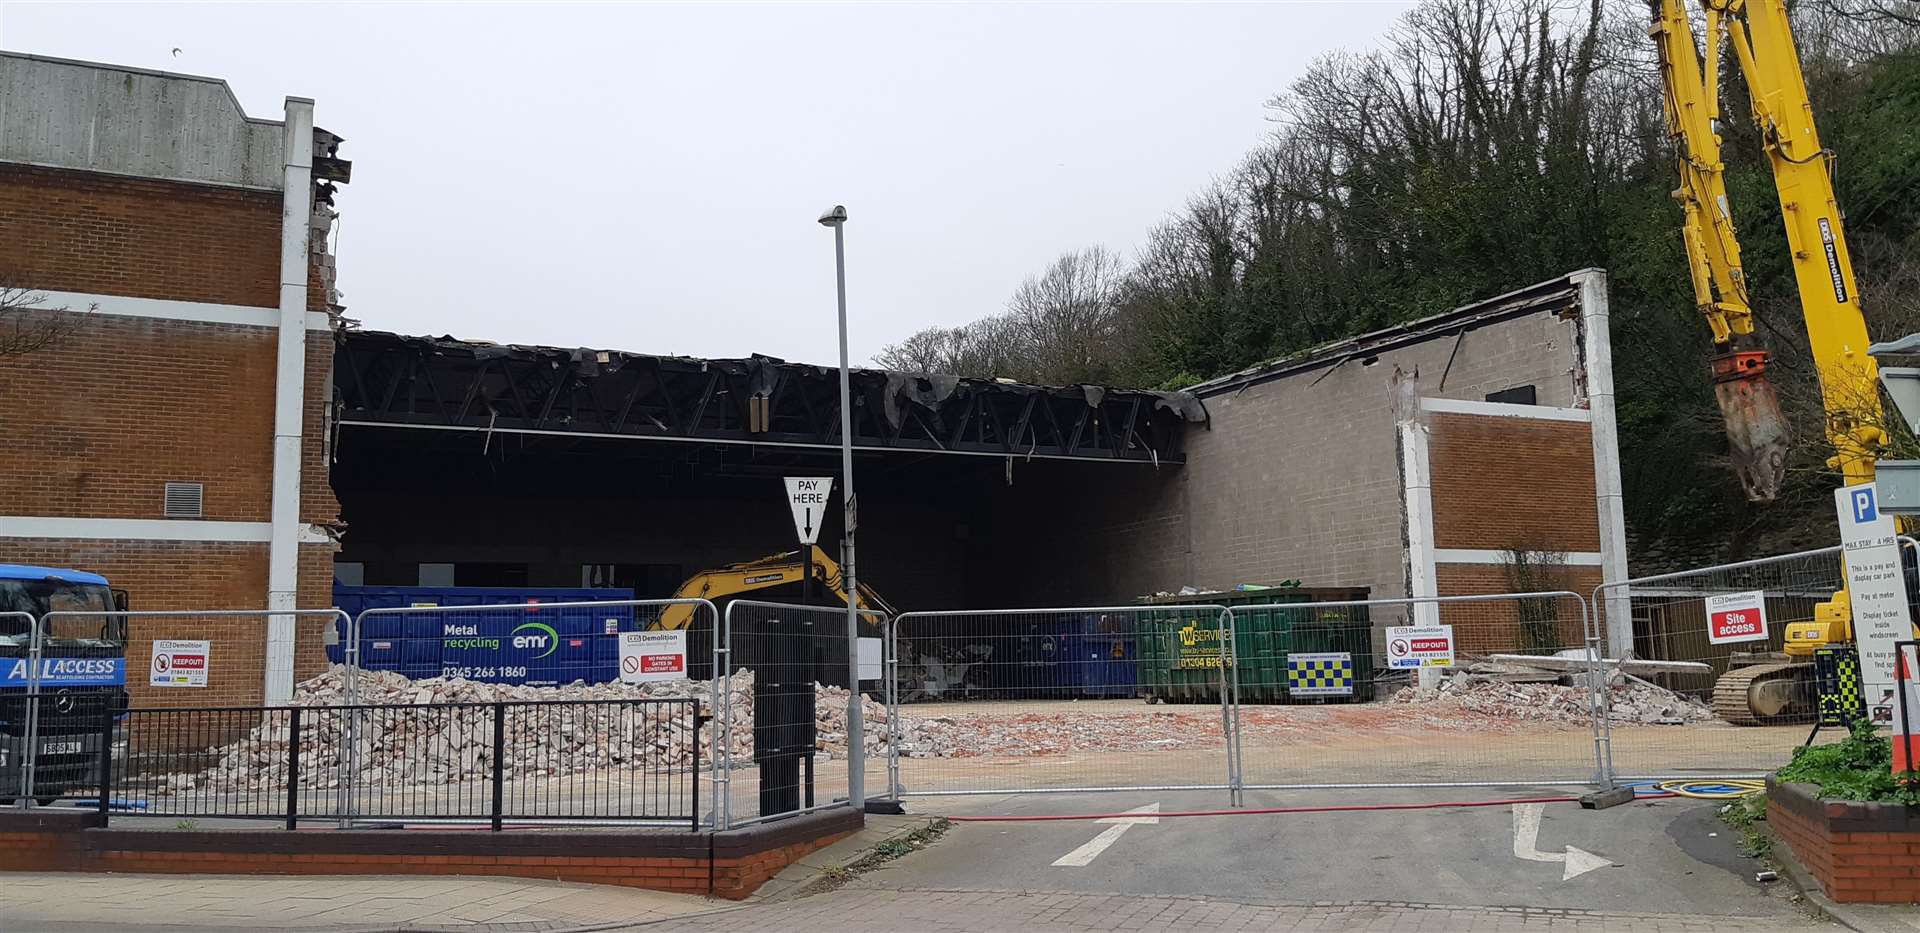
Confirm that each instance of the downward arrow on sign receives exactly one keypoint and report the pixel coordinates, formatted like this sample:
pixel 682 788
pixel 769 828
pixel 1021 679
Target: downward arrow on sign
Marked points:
pixel 1081 857
pixel 1526 833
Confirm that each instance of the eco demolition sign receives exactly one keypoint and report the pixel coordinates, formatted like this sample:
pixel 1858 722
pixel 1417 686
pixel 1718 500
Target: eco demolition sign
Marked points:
pixel 1735 617
pixel 179 663
pixel 1413 646
pixel 1875 591
pixel 648 657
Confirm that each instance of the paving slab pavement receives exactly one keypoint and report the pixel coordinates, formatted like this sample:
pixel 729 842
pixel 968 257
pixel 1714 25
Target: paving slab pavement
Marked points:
pixel 866 909
pixel 121 903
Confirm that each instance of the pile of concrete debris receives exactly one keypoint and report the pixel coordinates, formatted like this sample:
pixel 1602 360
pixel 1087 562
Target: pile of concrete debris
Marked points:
pixel 439 744
pixel 1633 701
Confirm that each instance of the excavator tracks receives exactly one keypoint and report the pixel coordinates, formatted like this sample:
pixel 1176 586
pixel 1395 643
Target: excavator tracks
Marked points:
pixel 1734 694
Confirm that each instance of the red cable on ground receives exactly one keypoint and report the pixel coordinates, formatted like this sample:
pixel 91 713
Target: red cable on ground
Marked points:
pixel 1253 811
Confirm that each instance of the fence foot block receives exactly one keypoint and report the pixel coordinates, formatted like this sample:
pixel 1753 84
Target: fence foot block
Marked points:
pixel 1611 797
pixel 883 805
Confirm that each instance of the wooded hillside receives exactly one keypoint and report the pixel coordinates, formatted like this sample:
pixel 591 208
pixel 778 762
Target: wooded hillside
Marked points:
pixel 1486 145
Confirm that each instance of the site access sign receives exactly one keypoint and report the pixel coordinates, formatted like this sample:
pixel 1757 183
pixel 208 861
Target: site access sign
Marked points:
pixel 1875 590
pixel 1734 617
pixel 179 663
pixel 807 495
pixel 1414 646
pixel 651 657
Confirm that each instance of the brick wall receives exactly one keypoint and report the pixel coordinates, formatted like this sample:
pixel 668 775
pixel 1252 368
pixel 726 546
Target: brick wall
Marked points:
pixel 1512 482
pixel 1481 627
pixel 72 231
pixel 163 575
pixel 317 502
pixel 127 405
pixel 1856 852
pixel 730 864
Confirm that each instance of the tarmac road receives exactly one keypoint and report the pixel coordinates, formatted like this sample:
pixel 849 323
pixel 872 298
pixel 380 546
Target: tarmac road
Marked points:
pixel 1670 856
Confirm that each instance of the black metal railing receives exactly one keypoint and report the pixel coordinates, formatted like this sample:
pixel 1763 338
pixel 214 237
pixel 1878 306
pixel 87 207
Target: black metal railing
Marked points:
pixel 50 745
pixel 612 761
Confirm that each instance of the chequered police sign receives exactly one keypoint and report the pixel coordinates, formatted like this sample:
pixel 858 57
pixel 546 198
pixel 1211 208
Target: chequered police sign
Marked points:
pixel 1328 674
pixel 1837 677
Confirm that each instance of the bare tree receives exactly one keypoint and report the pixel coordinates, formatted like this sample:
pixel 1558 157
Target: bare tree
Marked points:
pixel 28 323
pixel 1063 319
pixel 1059 328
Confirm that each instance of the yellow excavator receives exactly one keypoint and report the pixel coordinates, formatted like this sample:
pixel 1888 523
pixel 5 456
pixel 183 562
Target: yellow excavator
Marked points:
pixel 1774 686
pixel 767 574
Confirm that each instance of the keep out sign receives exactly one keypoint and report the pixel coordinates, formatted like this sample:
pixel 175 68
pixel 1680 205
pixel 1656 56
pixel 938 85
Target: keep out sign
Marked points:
pixel 1734 617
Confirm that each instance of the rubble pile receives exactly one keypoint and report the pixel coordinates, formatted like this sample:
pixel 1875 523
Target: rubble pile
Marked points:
pixel 450 745
pixel 1632 702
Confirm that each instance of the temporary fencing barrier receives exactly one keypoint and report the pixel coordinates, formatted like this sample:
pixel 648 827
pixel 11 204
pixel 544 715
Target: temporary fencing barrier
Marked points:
pixel 503 649
pixel 786 668
pixel 1717 635
pixel 16 743
pixel 624 761
pixel 146 659
pixel 1518 726
pixel 1142 697
pixel 972 692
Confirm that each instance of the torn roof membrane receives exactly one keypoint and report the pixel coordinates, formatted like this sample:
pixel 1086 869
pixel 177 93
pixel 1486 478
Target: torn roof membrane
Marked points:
pixel 446 382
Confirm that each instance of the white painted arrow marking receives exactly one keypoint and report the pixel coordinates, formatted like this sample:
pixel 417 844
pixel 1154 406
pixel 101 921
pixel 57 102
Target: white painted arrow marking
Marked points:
pixel 1083 856
pixel 1526 834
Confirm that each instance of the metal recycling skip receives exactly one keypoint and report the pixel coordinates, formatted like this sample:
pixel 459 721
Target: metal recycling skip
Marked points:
pixel 534 646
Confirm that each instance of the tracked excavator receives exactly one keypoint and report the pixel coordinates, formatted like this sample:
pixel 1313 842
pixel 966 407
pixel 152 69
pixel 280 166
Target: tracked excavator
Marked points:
pixel 779 576
pixel 1773 686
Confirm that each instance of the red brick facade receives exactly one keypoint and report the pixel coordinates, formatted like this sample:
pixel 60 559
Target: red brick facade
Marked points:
pixel 1484 627
pixel 1510 483
pixel 124 404
pixel 70 231
pixel 1513 482
pixel 179 401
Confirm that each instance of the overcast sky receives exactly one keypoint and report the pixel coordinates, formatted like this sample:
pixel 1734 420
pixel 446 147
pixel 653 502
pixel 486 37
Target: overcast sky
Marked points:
pixel 646 177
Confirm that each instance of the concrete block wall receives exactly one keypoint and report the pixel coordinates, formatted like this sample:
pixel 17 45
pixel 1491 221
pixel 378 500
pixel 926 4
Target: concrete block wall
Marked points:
pixel 1299 476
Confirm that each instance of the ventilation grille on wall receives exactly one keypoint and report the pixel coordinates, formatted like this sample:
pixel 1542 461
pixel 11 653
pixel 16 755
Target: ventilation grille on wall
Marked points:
pixel 183 500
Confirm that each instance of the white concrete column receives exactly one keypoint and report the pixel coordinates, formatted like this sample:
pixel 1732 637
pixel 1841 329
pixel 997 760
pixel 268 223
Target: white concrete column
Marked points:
pixel 1416 479
pixel 1597 353
pixel 289 397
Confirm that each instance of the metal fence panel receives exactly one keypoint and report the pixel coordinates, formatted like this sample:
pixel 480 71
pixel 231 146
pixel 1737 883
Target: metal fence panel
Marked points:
pixel 480 654
pixel 626 761
pixel 1058 700
pixel 155 659
pixel 1477 721
pixel 782 710
pixel 1763 701
pixel 19 653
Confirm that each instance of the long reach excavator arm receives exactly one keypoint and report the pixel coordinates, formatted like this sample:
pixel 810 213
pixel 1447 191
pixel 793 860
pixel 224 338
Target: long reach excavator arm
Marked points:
pixel 1760 38
pixel 1776 686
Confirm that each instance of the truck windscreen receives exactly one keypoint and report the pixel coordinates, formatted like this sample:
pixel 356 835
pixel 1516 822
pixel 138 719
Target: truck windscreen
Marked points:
pixel 39 597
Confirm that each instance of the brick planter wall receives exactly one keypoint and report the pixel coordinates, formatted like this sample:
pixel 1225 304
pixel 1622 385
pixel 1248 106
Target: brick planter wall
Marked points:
pixel 730 864
pixel 1857 852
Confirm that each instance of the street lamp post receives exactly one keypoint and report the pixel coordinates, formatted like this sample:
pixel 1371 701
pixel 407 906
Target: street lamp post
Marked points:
pixel 856 749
